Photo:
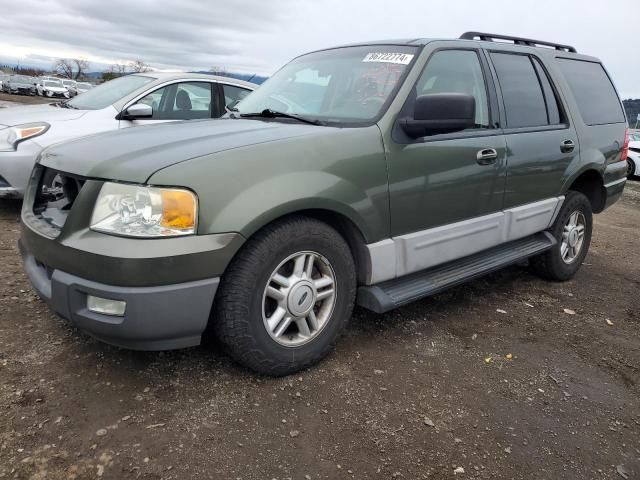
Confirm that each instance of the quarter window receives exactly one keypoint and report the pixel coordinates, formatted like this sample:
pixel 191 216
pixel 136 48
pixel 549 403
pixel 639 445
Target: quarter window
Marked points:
pixel 456 71
pixel 593 91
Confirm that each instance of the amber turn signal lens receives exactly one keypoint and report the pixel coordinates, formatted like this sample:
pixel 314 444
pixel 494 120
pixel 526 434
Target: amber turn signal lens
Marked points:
pixel 29 132
pixel 178 209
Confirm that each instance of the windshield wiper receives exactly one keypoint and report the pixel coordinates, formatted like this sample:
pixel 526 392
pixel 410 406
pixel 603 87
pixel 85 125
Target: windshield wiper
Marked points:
pixel 268 113
pixel 67 105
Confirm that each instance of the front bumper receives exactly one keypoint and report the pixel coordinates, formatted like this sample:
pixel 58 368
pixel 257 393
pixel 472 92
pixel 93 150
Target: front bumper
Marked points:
pixel 16 167
pixel 156 318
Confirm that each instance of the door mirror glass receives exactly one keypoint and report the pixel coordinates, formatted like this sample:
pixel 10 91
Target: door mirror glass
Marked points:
pixel 440 113
pixel 138 111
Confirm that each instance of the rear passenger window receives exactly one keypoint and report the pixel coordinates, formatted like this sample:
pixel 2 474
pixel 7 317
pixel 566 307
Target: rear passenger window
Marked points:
pixel 593 91
pixel 522 94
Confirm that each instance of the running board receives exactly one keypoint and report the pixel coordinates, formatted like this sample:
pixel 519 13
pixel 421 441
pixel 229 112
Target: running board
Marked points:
pixel 391 294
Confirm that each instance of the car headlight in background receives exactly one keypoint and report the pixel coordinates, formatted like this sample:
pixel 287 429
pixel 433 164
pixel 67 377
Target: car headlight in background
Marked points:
pixel 10 137
pixel 141 211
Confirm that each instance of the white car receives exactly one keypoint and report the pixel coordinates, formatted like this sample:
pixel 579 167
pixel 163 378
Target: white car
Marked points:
pixel 80 87
pixel 127 101
pixel 70 85
pixel 633 157
pixel 51 89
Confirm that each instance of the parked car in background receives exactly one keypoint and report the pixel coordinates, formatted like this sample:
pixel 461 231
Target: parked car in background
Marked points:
pixel 127 101
pixel 376 174
pixel 52 89
pixel 19 85
pixel 80 87
pixel 633 161
pixel 3 78
pixel 70 85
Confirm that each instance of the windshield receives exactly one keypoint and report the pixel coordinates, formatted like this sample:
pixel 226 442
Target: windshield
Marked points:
pixel 52 84
pixel 84 85
pixel 343 85
pixel 68 82
pixel 21 79
pixel 109 92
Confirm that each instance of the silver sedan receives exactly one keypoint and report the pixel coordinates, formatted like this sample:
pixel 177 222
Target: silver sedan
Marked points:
pixel 124 102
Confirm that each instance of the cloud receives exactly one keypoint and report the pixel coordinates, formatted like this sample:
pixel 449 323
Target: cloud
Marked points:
pixel 261 35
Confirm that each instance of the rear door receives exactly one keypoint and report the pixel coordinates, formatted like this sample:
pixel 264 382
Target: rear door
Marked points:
pixel 541 141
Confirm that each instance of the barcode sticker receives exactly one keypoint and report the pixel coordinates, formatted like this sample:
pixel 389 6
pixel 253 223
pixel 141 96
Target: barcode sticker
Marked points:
pixel 399 58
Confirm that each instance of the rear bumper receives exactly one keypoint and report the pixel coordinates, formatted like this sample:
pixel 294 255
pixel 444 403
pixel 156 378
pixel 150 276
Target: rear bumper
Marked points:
pixel 156 318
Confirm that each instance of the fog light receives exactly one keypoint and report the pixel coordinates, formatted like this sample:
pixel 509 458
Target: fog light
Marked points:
pixel 106 306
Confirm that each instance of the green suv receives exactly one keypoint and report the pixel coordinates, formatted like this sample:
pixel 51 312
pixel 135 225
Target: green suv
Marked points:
pixel 371 174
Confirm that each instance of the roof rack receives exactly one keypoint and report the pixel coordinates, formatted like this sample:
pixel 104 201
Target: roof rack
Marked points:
pixel 490 37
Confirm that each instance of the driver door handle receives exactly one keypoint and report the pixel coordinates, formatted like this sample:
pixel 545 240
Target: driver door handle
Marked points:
pixel 487 156
pixel 567 146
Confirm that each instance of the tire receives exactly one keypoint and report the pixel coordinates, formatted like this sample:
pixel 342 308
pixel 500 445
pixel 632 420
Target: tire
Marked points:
pixel 243 308
pixel 551 265
pixel 631 168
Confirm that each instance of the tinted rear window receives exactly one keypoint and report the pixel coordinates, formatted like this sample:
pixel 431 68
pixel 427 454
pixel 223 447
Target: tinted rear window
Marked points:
pixel 522 94
pixel 591 87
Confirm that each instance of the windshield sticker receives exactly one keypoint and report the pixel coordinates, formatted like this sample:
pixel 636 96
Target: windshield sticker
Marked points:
pixel 399 58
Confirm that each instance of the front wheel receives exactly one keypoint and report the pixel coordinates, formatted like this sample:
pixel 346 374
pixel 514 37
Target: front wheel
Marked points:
pixel 572 230
pixel 286 297
pixel 631 168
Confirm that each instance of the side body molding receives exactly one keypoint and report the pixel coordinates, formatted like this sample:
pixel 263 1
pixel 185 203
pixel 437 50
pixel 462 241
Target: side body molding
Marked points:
pixel 412 252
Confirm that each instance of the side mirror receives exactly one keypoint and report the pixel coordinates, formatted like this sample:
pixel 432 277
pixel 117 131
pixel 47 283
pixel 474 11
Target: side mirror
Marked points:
pixel 440 113
pixel 135 112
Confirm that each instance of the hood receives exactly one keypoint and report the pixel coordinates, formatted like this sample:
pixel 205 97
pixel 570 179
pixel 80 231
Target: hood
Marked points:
pixel 134 154
pixel 56 89
pixel 38 113
pixel 21 84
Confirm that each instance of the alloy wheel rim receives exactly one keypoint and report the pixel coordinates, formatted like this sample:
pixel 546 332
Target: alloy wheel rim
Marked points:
pixel 299 299
pixel 573 237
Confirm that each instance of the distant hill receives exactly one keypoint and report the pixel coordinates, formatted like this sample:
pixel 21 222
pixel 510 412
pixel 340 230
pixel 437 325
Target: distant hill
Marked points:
pixel 247 77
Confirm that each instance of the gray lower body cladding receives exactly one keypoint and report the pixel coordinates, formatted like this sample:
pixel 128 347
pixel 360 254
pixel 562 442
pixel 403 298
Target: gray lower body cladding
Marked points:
pixel 156 318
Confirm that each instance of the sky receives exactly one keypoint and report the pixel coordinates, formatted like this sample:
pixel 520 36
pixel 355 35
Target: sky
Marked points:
pixel 259 36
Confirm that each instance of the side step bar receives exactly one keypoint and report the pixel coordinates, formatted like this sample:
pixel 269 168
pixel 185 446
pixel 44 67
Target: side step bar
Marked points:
pixel 394 293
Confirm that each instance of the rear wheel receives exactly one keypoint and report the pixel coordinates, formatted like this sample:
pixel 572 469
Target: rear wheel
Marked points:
pixel 572 229
pixel 631 168
pixel 286 297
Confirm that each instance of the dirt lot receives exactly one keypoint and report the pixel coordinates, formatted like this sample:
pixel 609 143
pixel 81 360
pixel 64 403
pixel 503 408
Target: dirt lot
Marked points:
pixel 492 377
pixel 7 100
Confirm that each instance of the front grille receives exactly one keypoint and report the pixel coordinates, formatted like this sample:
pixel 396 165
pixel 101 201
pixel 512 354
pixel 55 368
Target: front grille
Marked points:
pixel 55 195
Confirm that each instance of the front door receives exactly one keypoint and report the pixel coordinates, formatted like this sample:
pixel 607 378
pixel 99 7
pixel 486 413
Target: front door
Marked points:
pixel 446 190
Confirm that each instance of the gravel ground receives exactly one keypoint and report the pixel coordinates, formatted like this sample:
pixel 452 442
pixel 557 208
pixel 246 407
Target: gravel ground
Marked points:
pixel 506 377
pixel 7 100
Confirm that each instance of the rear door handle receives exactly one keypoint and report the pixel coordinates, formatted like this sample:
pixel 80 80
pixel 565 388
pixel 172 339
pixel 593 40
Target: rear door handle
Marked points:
pixel 567 146
pixel 487 156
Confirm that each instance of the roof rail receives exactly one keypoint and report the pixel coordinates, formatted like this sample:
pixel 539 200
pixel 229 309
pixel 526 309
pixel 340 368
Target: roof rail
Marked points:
pixel 490 37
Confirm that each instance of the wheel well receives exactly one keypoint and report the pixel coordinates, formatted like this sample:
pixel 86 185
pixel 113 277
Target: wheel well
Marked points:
pixel 349 231
pixel 591 185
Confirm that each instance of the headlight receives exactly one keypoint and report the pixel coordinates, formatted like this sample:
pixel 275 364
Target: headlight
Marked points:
pixel 10 137
pixel 140 211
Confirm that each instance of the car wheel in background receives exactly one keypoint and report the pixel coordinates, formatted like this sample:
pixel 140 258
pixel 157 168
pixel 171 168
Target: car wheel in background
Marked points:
pixel 572 229
pixel 286 297
pixel 631 168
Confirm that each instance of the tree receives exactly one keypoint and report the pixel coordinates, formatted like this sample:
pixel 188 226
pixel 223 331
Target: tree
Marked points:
pixel 72 68
pixel 138 66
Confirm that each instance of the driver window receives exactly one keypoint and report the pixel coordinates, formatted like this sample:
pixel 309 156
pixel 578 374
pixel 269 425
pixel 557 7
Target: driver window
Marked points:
pixel 456 71
pixel 180 101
